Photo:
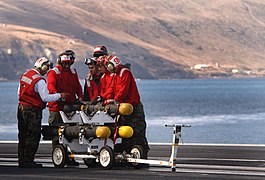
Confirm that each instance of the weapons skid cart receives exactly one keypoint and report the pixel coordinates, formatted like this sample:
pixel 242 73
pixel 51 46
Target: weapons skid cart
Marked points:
pixel 91 132
pixel 173 157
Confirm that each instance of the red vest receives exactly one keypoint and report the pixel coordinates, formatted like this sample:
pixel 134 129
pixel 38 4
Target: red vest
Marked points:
pixel 125 88
pixel 27 95
pixel 59 81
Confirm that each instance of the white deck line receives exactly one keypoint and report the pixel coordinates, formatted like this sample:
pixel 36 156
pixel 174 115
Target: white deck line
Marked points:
pixel 15 142
pixel 210 144
pixel 161 144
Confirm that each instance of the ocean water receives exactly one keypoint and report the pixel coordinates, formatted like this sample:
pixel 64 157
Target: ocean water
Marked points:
pixel 218 110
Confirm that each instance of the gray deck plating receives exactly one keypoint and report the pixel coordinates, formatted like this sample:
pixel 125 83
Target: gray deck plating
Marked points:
pixel 195 161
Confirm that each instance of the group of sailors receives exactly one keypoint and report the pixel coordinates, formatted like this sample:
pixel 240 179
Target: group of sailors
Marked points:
pixel 108 81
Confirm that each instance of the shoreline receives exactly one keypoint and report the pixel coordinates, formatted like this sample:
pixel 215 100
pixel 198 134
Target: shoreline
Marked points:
pixel 198 78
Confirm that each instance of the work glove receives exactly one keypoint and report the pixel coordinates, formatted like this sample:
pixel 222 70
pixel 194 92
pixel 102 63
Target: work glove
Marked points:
pixel 116 103
pixel 96 100
pixel 64 95
pixel 80 99
pixel 111 101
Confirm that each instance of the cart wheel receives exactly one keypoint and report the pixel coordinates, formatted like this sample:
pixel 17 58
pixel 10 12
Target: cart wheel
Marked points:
pixel 59 156
pixel 90 162
pixel 106 157
pixel 137 152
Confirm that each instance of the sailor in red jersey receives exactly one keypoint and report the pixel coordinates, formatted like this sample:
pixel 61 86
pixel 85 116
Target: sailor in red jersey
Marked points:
pixel 92 82
pixel 91 89
pixel 105 91
pixel 63 78
pixel 33 95
pixel 125 90
pixel 99 54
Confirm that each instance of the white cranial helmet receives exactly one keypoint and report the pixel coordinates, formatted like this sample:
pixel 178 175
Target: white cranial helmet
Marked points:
pixel 114 60
pixel 40 62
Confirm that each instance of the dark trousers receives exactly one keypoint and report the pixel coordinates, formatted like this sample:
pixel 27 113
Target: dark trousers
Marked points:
pixel 55 119
pixel 29 132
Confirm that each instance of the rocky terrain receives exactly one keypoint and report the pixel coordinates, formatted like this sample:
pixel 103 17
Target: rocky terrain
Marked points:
pixel 161 39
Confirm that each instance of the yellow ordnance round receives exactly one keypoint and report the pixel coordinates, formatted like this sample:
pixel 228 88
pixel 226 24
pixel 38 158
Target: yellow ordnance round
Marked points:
pixel 125 109
pixel 125 131
pixel 103 132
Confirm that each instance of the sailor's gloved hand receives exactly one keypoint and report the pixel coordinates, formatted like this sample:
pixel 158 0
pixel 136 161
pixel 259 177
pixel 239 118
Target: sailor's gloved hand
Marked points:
pixel 80 99
pixel 111 101
pixel 64 95
pixel 116 102
pixel 96 100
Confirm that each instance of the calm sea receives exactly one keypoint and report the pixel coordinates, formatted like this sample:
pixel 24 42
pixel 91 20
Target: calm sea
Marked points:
pixel 219 110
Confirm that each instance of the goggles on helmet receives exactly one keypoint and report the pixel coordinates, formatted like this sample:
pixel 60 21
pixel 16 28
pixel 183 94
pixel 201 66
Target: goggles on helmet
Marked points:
pixel 89 61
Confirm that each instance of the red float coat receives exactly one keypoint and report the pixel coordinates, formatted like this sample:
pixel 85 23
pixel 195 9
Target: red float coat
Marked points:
pixel 60 81
pixel 124 87
pixel 105 86
pixel 27 94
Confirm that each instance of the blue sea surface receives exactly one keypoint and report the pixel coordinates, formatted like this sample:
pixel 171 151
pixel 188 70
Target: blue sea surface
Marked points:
pixel 219 110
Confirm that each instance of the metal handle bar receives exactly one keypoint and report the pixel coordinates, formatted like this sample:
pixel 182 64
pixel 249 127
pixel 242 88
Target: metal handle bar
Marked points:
pixel 175 125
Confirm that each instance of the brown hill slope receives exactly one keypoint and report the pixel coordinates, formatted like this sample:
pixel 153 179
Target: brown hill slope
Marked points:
pixel 162 39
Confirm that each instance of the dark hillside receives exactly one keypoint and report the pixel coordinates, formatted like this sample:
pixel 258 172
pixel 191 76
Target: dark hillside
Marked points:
pixel 161 39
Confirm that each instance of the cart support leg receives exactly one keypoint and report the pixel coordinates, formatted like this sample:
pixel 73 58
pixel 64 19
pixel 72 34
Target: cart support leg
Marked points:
pixel 174 149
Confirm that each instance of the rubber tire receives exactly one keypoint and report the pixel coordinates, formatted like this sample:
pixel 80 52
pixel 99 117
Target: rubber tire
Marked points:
pixel 138 152
pixel 106 157
pixel 59 156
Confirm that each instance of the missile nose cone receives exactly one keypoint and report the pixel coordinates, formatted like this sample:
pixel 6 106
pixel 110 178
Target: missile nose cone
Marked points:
pixel 103 132
pixel 125 131
pixel 125 109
